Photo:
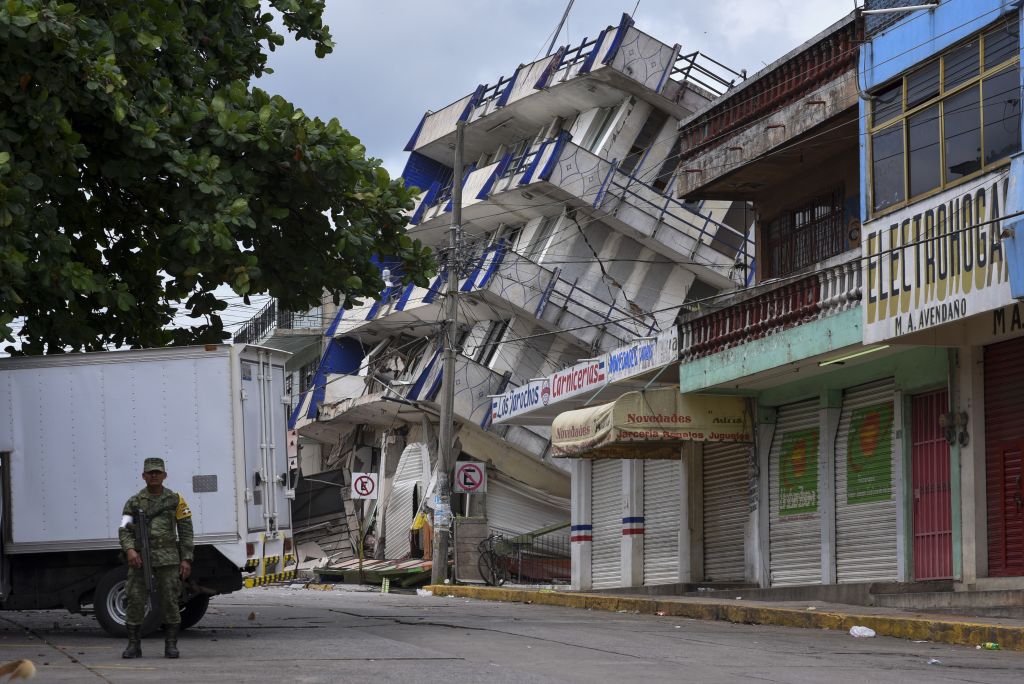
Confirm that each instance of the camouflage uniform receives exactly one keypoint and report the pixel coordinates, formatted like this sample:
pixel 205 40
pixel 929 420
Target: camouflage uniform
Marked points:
pixel 170 540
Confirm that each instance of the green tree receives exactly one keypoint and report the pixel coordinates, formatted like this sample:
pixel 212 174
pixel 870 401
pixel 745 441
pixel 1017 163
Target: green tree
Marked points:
pixel 139 171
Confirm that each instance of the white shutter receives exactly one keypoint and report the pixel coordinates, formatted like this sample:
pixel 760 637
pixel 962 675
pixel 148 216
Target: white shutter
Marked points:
pixel 866 547
pixel 606 518
pixel 511 510
pixel 726 510
pixel 794 539
pixel 398 512
pixel 663 496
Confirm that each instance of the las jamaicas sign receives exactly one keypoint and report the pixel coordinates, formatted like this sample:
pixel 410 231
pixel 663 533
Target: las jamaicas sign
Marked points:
pixel 649 424
pixel 935 262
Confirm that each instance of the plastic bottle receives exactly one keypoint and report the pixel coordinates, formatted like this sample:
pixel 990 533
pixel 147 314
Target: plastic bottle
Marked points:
pixel 990 646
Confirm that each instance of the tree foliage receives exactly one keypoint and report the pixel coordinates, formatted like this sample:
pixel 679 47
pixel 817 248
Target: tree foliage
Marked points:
pixel 140 171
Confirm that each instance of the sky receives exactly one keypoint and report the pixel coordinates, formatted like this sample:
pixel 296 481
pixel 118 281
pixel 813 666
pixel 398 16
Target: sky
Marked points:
pixel 396 59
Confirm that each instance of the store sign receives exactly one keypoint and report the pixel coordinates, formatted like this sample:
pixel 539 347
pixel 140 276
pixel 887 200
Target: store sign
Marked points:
pixel 643 355
pixel 587 376
pixel 936 262
pixel 869 455
pixel 798 472
pixel 652 417
pixel 517 400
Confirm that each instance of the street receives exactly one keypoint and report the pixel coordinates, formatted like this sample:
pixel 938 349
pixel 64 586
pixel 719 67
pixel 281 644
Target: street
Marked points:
pixel 347 635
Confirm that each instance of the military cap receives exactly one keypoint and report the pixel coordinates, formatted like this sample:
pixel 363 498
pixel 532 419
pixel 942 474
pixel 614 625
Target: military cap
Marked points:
pixel 153 464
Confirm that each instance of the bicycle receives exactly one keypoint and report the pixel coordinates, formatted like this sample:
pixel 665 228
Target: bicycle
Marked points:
pixel 493 560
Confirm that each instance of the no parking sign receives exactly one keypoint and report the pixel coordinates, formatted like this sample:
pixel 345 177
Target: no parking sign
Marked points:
pixel 470 478
pixel 364 485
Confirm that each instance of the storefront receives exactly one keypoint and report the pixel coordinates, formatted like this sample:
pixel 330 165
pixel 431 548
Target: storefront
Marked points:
pixel 633 463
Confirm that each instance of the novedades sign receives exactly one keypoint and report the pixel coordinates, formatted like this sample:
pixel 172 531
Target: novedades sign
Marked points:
pixel 935 262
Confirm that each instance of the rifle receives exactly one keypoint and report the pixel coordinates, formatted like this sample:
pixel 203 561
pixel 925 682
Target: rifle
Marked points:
pixel 142 539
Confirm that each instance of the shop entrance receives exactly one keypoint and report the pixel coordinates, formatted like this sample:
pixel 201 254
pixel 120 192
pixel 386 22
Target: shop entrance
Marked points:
pixel 930 475
pixel 1004 458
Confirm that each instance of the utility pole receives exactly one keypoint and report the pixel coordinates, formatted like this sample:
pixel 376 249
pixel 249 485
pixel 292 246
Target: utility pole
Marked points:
pixel 565 15
pixel 443 513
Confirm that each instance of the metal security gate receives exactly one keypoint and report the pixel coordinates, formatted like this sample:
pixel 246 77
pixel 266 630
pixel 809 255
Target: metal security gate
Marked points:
pixel 663 497
pixel 794 522
pixel 1004 457
pixel 866 492
pixel 515 510
pixel 930 473
pixel 398 511
pixel 726 510
pixel 606 517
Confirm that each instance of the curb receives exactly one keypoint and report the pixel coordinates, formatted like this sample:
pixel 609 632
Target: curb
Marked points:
pixel 938 629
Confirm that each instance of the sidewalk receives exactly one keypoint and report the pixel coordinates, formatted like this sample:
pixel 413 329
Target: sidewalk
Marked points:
pixel 950 629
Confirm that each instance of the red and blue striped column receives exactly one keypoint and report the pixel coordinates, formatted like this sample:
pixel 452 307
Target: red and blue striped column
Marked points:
pixel 581 530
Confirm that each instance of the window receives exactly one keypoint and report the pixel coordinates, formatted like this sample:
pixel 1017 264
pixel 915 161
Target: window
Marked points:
pixel 950 119
pixel 645 138
pixel 598 127
pixel 483 341
pixel 803 236
pixel 539 240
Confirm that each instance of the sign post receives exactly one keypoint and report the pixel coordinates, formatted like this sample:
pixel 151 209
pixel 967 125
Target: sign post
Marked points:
pixel 364 486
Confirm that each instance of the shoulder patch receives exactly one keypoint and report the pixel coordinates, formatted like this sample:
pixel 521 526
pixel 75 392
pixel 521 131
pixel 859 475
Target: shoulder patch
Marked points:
pixel 183 510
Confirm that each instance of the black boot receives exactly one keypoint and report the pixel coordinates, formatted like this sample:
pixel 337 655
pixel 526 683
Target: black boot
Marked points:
pixel 134 649
pixel 171 641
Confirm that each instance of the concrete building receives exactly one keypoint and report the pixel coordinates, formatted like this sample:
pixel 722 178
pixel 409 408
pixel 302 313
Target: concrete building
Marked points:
pixel 574 245
pixel 878 345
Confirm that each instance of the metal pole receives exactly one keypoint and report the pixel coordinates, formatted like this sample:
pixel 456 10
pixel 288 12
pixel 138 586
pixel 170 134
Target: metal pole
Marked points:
pixel 442 523
pixel 565 15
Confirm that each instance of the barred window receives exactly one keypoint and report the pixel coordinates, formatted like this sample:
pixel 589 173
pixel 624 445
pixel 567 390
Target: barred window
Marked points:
pixel 953 118
pixel 803 236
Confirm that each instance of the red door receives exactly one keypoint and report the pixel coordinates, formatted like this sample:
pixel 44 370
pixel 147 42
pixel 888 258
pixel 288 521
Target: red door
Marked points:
pixel 1005 509
pixel 933 507
pixel 1004 440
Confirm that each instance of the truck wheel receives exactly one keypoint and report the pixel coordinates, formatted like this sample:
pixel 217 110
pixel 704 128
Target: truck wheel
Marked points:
pixel 111 605
pixel 194 610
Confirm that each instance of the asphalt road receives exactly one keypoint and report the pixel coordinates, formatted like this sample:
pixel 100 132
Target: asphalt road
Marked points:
pixel 298 635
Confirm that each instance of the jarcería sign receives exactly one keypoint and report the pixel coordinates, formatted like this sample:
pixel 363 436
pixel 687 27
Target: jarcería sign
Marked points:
pixel 935 262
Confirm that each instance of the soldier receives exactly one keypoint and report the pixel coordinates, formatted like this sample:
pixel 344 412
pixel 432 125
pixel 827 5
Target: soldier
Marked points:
pixel 170 541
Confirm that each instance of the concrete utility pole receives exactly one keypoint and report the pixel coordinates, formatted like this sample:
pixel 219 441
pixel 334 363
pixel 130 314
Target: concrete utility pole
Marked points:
pixel 443 513
pixel 565 15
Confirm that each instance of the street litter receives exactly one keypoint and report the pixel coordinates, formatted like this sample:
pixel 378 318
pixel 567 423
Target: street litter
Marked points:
pixel 424 592
pixel 739 598
pixel 860 631
pixel 811 608
pixel 934 661
pixel 660 612
pixel 990 646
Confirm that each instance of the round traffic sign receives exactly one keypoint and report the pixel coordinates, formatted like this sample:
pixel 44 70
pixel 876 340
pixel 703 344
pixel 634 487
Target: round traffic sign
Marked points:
pixel 364 485
pixel 470 476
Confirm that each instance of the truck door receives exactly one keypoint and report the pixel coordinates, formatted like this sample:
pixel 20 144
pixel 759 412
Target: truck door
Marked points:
pixel 5 571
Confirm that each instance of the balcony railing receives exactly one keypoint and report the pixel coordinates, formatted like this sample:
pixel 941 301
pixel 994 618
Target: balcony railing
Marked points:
pixel 826 293
pixel 270 318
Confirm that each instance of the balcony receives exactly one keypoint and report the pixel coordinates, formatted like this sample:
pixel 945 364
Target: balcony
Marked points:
pixel 558 171
pixel 501 280
pixel 597 72
pixel 755 315
pixel 281 329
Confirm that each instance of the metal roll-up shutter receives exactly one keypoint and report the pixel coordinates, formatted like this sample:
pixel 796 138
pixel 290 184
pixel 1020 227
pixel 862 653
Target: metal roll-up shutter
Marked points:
pixel 663 496
pixel 865 472
pixel 726 510
pixel 606 518
pixel 794 523
pixel 511 510
pixel 398 512
pixel 1004 457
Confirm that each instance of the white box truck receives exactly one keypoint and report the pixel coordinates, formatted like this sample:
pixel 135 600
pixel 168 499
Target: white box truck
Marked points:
pixel 74 431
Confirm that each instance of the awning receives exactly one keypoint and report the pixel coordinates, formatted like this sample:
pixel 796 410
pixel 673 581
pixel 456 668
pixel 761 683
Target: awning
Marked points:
pixel 650 424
